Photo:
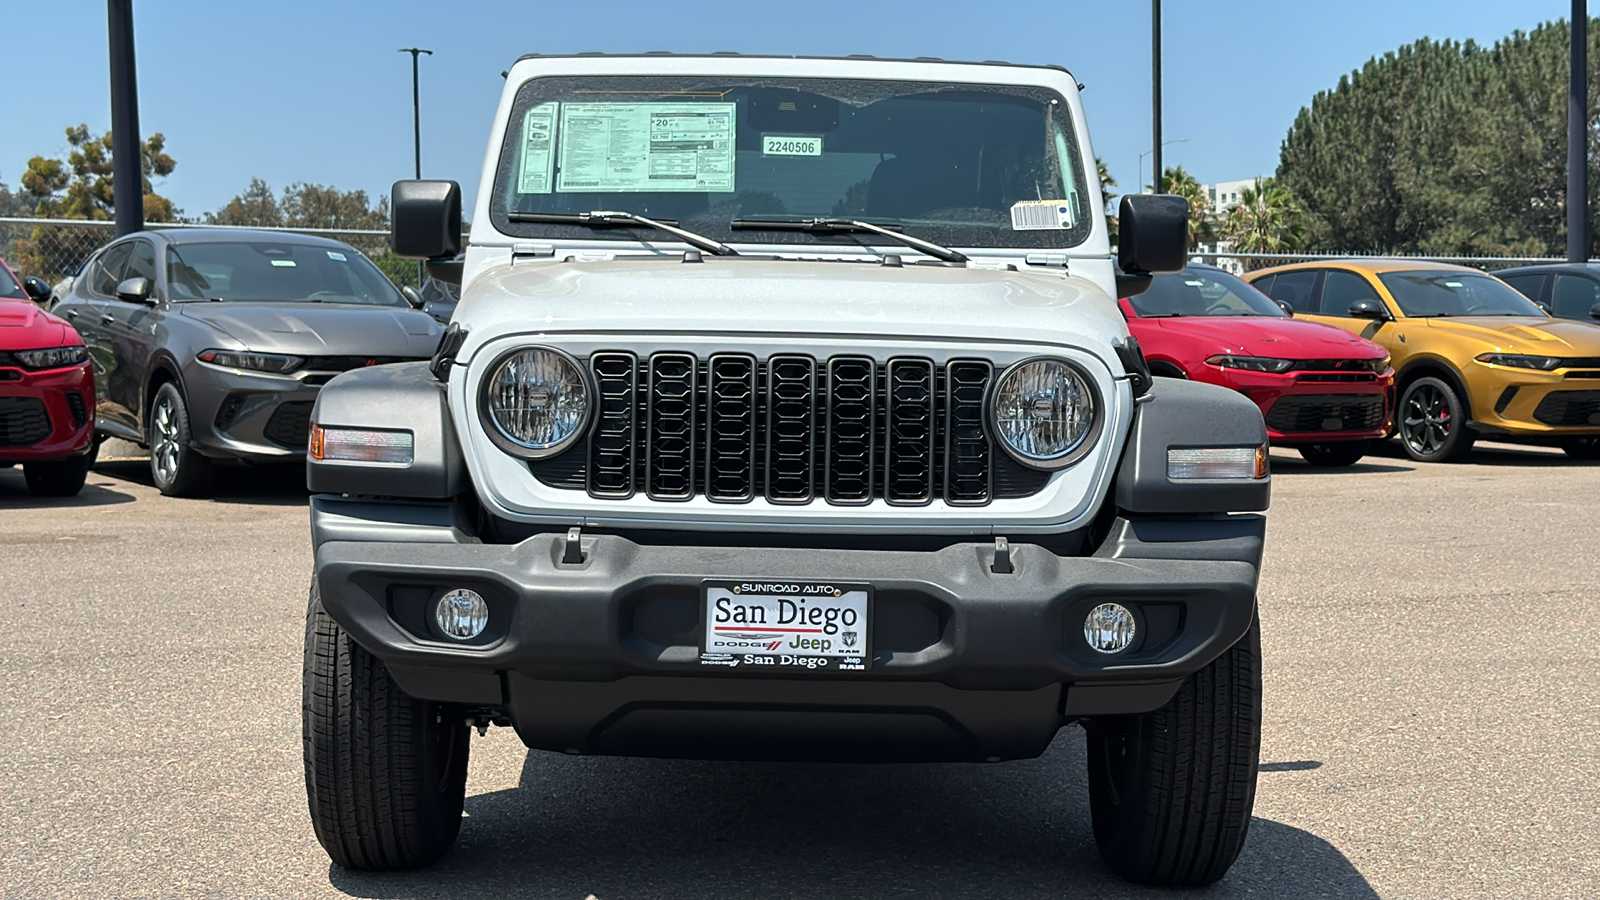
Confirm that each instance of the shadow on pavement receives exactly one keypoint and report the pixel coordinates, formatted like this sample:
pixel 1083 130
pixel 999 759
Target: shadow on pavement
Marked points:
pixel 262 485
pixel 1294 465
pixel 1488 453
pixel 97 491
pixel 630 828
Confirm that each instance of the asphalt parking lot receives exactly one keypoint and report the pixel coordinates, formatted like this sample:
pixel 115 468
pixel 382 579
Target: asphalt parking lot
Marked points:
pixel 1431 724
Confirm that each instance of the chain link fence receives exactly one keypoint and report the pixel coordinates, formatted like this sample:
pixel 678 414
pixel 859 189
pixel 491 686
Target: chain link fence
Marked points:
pixel 1240 263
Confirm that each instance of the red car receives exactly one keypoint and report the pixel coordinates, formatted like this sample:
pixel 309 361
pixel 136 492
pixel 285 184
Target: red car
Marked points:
pixel 1321 389
pixel 46 395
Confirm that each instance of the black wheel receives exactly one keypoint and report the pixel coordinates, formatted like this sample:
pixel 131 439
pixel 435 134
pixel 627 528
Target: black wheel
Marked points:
pixel 1170 792
pixel 1335 453
pixel 1582 448
pixel 385 772
pixel 59 478
pixel 1433 422
pixel 176 467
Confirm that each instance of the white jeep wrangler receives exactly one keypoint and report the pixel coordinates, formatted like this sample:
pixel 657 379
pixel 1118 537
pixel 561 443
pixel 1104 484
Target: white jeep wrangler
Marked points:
pixel 787 413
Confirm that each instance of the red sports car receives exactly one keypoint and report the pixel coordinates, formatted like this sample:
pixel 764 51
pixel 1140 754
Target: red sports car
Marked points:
pixel 46 395
pixel 1320 389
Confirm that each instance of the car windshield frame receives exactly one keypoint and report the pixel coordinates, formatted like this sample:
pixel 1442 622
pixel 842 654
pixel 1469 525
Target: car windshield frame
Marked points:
pixel 1164 299
pixel 843 131
pixel 201 271
pixel 1416 285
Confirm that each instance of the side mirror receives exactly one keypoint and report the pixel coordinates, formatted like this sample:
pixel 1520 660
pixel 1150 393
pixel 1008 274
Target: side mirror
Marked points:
pixel 446 271
pixel 427 219
pixel 1284 305
pixel 412 297
pixel 1368 309
pixel 135 290
pixel 1594 311
pixel 36 289
pixel 1546 307
pixel 1152 234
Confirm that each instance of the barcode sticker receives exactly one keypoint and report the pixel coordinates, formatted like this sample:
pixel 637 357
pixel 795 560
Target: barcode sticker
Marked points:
pixel 1041 215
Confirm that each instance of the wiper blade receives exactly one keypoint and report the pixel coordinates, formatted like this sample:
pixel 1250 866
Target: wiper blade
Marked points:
pixel 610 218
pixel 834 226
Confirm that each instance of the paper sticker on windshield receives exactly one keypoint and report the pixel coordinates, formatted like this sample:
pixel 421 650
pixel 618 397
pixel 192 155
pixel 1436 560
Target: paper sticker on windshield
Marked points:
pixel 638 147
pixel 286 263
pixel 334 254
pixel 538 163
pixel 791 145
pixel 1041 215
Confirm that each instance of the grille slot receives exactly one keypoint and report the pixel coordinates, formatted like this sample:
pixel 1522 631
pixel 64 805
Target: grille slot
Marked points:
pixel 671 413
pixel 1569 408
pixel 908 449
pixel 852 429
pixel 967 471
pixel 23 421
pixel 290 425
pixel 613 443
pixel 78 408
pixel 731 428
pixel 791 429
pixel 1308 412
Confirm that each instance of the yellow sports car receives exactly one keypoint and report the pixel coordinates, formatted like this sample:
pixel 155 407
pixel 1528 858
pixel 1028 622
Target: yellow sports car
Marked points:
pixel 1472 356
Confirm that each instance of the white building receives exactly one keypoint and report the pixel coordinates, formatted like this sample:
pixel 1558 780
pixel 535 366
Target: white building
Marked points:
pixel 1223 196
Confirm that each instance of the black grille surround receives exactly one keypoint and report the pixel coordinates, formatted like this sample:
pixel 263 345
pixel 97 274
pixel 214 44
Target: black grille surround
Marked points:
pixel 789 429
pixel 290 425
pixel 1297 413
pixel 23 421
pixel 1567 408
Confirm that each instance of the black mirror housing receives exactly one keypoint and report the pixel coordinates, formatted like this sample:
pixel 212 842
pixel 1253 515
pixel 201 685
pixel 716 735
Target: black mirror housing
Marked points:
pixel 1594 312
pixel 1152 234
pixel 1368 309
pixel 412 297
pixel 36 289
pixel 135 290
pixel 427 219
pixel 1284 305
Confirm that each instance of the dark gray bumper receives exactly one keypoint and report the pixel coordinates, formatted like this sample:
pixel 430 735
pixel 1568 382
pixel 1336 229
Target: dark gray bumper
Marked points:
pixel 603 655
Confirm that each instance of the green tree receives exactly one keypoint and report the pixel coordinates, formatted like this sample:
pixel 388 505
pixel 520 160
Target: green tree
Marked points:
pixel 1267 219
pixel 256 206
pixel 1110 196
pixel 80 187
pixel 1178 181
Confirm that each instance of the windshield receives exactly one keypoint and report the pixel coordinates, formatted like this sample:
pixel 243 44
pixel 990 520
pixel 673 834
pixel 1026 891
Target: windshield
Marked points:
pixel 1203 292
pixel 10 288
pixel 955 164
pixel 276 272
pixel 1455 294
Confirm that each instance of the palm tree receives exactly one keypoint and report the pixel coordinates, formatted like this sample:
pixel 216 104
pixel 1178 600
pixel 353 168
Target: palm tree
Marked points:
pixel 1110 196
pixel 1267 219
pixel 1178 181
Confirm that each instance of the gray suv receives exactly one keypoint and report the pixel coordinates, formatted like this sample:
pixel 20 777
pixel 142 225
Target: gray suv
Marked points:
pixel 210 344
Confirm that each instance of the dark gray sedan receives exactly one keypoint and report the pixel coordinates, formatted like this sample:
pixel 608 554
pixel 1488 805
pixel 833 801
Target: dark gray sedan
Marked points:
pixel 1564 290
pixel 212 343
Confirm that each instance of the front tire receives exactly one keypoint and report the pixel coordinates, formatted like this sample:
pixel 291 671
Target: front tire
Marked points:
pixel 58 478
pixel 1171 791
pixel 177 469
pixel 1433 422
pixel 385 773
pixel 1582 448
pixel 1335 454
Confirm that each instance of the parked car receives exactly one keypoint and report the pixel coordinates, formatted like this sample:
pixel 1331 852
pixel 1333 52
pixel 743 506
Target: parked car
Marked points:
pixel 1564 290
pixel 15 288
pixel 46 395
pixel 807 431
pixel 212 343
pixel 1322 390
pixel 437 299
pixel 1472 356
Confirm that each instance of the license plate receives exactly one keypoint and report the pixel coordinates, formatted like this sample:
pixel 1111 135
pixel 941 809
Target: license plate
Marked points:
pixel 792 624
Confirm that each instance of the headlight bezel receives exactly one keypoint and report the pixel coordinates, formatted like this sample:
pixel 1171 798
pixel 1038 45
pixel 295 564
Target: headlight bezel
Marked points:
pixel 71 355
pixel 250 361
pixel 511 446
pixel 1523 361
pixel 1233 358
pixel 1085 444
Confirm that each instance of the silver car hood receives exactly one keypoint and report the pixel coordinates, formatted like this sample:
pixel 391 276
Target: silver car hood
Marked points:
pixel 307 329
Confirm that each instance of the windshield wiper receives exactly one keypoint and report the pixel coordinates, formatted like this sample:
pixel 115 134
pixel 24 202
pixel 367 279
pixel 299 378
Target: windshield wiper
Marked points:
pixel 837 226
pixel 607 218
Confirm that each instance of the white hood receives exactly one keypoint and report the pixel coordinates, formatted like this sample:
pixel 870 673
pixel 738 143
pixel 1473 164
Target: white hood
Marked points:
pixel 793 298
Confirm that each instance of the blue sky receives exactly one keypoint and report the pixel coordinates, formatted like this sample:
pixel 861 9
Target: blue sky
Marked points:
pixel 291 90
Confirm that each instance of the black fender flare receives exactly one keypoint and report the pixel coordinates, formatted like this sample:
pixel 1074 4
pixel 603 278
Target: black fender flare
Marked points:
pixel 395 397
pixel 1180 413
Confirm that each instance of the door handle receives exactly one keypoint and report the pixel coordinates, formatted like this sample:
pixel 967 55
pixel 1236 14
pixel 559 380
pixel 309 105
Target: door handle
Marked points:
pixel 107 318
pixel 72 314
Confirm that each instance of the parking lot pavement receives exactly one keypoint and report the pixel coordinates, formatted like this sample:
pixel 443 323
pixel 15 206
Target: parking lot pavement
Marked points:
pixel 1431 725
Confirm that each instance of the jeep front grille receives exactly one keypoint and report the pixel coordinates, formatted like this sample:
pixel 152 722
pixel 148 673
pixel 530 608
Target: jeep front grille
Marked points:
pixel 790 429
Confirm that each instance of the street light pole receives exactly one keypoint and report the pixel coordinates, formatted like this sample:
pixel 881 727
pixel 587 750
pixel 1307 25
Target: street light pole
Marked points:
pixel 127 164
pixel 416 129
pixel 1155 93
pixel 1139 173
pixel 1578 136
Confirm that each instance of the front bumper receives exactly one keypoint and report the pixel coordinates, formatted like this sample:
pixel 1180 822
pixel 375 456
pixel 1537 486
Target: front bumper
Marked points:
pixel 67 396
pixel 1299 409
pixel 1528 403
pixel 603 656
pixel 249 415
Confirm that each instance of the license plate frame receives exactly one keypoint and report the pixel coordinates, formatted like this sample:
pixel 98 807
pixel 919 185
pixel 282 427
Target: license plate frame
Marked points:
pixel 786 624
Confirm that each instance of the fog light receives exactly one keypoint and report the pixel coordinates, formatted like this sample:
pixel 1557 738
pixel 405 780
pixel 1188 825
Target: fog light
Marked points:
pixel 462 614
pixel 1109 628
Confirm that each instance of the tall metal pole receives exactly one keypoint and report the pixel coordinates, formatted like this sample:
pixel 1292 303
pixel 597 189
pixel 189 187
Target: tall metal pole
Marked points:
pixel 127 169
pixel 416 130
pixel 1155 90
pixel 1578 137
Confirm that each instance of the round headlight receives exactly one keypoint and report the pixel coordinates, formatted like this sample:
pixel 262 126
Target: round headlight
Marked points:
pixel 1045 413
pixel 536 402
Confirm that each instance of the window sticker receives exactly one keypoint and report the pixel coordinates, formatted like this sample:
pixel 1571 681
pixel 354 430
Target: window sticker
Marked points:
pixel 334 254
pixel 791 145
pixel 538 163
pixel 1041 215
pixel 285 263
pixel 635 147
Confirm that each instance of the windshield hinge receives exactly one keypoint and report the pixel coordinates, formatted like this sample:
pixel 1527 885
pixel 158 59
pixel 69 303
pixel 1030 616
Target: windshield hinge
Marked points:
pixel 1052 260
pixel 529 250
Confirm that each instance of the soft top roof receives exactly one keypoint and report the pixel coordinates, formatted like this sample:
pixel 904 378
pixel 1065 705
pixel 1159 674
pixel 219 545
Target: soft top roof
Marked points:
pixel 726 54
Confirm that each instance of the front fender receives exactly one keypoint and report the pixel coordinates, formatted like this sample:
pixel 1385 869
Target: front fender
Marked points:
pixel 1182 413
pixel 395 397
